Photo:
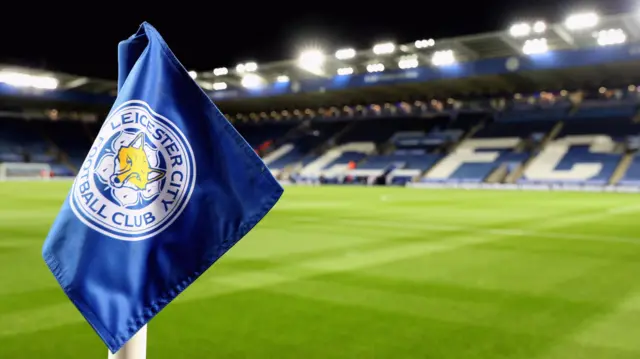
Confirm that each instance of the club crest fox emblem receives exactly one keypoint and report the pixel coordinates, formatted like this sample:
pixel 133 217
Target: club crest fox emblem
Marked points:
pixel 137 177
pixel 132 166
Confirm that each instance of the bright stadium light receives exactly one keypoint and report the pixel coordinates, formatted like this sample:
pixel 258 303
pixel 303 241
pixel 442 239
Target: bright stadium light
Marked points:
pixel 18 79
pixel 193 74
pixel 443 58
pixel 220 71
pixel 312 61
pixel 219 86
pixel 539 27
pixel 250 67
pixel 375 67
pixel 282 78
pixel 421 44
pixel 582 21
pixel 385 48
pixel 345 54
pixel 247 67
pixel 408 62
pixel 611 37
pixel 345 71
pixel 535 46
pixel 44 82
pixel 520 30
pixel 252 81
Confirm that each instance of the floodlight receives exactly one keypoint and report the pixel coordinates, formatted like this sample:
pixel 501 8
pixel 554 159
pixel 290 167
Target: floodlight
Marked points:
pixel 539 27
pixel 18 79
pixel 252 81
pixel 611 37
pixel 250 67
pixel 443 58
pixel 246 67
pixel 408 62
pixel 535 46
pixel 520 30
pixel 375 67
pixel 345 54
pixel 220 71
pixel 312 61
pixel 219 86
pixel 582 21
pixel 384 48
pixel 421 44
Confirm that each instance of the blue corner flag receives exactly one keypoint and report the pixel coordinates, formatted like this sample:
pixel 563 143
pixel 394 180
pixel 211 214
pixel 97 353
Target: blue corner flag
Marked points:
pixel 166 189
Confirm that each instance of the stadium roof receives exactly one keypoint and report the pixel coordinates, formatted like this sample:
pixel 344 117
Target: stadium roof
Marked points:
pixel 61 81
pixel 578 31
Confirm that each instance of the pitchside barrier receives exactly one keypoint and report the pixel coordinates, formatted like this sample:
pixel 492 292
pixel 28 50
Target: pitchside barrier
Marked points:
pixel 497 186
pixel 529 187
pixel 10 171
pixel 25 171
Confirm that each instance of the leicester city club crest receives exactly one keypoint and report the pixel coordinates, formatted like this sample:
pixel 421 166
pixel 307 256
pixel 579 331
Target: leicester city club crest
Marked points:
pixel 137 177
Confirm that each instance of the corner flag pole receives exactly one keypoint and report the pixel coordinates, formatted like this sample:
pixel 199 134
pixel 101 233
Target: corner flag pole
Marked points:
pixel 135 348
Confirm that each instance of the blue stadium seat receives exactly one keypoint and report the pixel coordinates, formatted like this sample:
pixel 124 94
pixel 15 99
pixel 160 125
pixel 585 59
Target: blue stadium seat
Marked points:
pixel 409 161
pixel 61 170
pixel 258 133
pixel 347 157
pixel 632 176
pixel 305 140
pixel 520 129
pixel 380 130
pixel 11 157
pixel 43 158
pixel 478 172
pixel 617 128
pixel 604 109
pixel 581 155
pixel 18 136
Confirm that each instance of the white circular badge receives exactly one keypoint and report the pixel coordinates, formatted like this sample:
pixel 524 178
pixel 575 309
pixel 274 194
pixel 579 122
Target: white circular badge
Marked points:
pixel 138 176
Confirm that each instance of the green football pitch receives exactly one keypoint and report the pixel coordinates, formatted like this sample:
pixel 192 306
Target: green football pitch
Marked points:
pixel 350 272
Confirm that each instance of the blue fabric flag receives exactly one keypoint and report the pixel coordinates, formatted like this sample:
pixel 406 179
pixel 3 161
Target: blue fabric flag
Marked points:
pixel 166 189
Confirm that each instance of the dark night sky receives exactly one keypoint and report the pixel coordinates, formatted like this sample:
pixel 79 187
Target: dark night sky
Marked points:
pixel 83 39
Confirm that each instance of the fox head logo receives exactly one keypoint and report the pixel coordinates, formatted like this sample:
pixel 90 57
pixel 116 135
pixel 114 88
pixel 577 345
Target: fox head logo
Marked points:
pixel 132 166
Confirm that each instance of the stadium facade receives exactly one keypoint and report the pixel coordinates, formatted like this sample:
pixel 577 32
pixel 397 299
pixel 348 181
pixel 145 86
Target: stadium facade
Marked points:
pixel 535 106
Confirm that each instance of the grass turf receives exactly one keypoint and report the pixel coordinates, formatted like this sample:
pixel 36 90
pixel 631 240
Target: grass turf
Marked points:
pixel 367 273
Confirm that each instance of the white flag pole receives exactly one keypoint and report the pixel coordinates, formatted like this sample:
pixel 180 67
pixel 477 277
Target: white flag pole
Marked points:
pixel 135 348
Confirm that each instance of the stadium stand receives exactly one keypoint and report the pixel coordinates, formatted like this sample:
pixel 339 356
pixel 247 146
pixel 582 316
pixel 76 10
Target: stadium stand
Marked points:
pixel 584 143
pixel 262 132
pixel 71 141
pixel 303 144
pixel 632 175
pixel 60 144
pixel 457 121
pixel 20 141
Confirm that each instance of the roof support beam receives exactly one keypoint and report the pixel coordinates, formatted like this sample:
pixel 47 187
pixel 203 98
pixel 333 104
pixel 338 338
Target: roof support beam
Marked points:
pixel 80 81
pixel 565 36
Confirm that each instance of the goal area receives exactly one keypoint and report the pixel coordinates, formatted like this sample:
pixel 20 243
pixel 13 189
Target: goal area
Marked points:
pixel 10 171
